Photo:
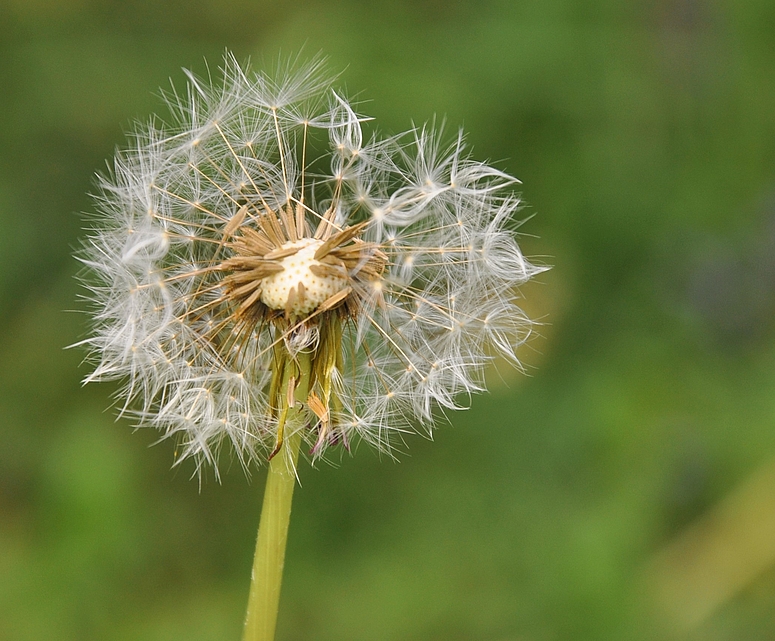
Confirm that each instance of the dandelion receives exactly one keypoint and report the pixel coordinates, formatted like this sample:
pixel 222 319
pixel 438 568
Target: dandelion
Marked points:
pixel 265 274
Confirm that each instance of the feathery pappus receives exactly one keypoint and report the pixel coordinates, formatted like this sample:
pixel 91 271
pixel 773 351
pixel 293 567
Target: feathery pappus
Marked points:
pixel 262 224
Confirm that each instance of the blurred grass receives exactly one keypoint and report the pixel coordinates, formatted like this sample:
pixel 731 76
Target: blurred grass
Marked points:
pixel 644 134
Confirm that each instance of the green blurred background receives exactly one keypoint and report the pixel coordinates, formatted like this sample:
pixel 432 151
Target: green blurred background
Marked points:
pixel 624 489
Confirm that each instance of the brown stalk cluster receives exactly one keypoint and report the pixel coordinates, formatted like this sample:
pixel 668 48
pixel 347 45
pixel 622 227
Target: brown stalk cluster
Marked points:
pixel 262 242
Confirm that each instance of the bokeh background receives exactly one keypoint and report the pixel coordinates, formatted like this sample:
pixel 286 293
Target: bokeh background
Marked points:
pixel 623 489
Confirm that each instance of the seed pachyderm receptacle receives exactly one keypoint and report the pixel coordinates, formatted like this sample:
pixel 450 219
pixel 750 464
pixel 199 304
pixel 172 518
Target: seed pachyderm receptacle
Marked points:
pixel 260 223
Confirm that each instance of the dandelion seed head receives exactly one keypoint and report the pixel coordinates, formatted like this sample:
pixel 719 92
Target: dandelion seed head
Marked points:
pixel 264 223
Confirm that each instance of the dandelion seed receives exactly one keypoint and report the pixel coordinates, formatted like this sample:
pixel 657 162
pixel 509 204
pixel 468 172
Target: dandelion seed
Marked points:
pixel 262 225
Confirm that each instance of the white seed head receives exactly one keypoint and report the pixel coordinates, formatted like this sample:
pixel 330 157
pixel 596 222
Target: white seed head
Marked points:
pixel 396 268
pixel 296 275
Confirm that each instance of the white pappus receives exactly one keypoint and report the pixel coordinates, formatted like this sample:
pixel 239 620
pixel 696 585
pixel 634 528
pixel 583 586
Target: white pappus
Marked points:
pixel 261 223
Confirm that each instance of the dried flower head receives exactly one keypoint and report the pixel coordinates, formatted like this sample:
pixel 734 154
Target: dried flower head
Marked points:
pixel 261 225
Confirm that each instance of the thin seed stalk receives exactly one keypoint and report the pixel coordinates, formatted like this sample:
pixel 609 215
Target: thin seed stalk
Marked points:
pixel 269 560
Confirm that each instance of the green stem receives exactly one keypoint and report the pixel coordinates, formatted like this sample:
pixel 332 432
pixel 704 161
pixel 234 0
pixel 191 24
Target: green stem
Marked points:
pixel 268 563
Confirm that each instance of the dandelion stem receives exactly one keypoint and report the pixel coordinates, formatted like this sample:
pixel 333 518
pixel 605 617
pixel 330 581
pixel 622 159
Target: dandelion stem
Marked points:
pixel 268 563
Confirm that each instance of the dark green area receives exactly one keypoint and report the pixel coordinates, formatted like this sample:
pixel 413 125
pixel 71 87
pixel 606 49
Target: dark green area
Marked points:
pixel 644 134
